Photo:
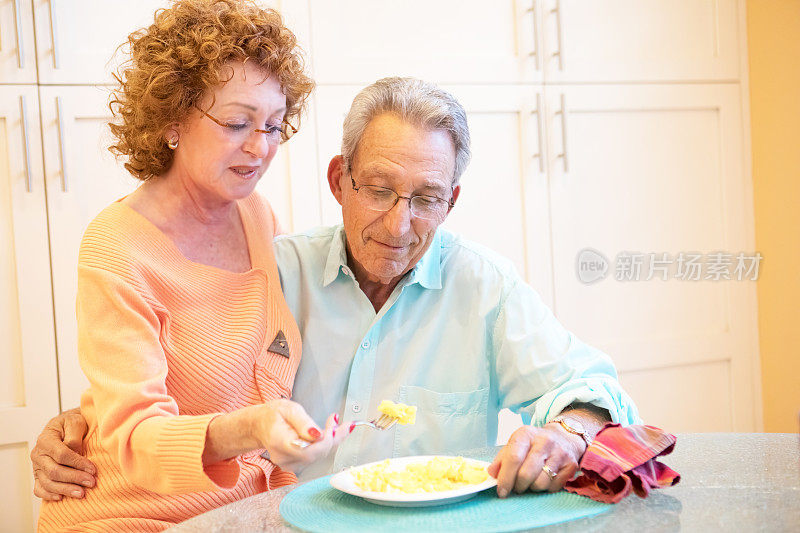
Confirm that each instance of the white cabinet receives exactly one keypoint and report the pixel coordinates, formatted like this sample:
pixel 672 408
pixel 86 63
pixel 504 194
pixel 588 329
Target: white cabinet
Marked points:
pixel 76 40
pixel 28 381
pixel 641 40
pixel 524 41
pixel 17 44
pixel 656 169
pixel 450 41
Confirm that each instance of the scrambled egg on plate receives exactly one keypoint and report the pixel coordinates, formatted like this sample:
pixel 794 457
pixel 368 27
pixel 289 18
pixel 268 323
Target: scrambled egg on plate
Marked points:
pixel 438 474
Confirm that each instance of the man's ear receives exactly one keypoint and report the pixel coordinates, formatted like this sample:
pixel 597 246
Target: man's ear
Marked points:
pixel 456 192
pixel 335 174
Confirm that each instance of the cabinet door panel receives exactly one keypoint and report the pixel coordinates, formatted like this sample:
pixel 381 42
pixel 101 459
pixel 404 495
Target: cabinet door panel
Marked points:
pixel 28 381
pixel 654 170
pixel 491 208
pixel 17 45
pixel 642 40
pixel 82 178
pixel 77 39
pixel 453 41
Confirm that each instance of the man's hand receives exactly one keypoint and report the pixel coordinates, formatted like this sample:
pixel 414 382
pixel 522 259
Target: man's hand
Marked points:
pixel 59 469
pixel 520 464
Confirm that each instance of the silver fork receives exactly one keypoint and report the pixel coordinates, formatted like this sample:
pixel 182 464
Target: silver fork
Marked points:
pixel 381 423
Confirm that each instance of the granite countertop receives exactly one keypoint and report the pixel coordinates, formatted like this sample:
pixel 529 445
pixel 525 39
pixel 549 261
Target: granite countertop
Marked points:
pixel 729 482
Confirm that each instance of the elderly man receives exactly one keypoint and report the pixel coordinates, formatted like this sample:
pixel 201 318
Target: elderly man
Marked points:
pixel 391 306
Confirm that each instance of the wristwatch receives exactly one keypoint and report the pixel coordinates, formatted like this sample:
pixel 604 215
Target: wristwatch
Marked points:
pixel 573 426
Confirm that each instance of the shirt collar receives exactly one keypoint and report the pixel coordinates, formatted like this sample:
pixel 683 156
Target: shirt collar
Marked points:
pixel 337 257
pixel 427 272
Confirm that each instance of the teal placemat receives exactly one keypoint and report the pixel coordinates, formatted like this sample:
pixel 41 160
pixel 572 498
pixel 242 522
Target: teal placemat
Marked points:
pixel 316 506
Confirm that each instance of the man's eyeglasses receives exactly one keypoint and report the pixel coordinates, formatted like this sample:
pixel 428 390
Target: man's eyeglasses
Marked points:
pixel 384 199
pixel 243 129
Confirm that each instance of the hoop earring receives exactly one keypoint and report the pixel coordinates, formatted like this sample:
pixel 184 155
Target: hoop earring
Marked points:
pixel 172 144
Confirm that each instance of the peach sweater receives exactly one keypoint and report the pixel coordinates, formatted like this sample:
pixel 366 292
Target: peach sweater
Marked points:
pixel 167 344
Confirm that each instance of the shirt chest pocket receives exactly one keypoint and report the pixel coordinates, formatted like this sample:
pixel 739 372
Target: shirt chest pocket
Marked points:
pixel 447 422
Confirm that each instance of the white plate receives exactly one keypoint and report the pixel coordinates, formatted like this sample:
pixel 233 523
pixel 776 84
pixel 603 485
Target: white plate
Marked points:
pixel 344 482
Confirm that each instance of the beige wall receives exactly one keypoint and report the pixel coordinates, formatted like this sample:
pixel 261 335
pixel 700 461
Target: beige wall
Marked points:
pixel 773 28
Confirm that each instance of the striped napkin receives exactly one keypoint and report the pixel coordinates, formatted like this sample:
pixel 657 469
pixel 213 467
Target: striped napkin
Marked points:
pixel 621 460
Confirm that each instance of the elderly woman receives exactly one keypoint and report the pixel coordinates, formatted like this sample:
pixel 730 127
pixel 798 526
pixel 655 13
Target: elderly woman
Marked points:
pixel 184 333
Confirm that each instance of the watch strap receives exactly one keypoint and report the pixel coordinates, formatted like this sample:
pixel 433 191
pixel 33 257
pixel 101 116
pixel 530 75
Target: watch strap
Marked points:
pixel 563 421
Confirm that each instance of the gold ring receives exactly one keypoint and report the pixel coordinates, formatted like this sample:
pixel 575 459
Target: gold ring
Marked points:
pixel 549 471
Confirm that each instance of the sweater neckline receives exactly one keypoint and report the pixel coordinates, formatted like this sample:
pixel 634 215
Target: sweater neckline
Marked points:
pixel 249 235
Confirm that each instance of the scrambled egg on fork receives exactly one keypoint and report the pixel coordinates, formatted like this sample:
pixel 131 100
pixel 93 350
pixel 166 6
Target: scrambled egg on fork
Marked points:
pixel 438 474
pixel 405 414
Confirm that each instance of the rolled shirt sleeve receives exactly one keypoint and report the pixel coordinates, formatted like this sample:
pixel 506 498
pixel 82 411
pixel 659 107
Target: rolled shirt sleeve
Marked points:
pixel 541 368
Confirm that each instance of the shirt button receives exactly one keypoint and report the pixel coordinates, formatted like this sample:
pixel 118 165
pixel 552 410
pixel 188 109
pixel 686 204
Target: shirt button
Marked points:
pixel 365 344
pixel 356 407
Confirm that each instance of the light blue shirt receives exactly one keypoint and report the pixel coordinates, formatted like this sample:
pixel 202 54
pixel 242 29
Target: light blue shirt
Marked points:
pixel 462 336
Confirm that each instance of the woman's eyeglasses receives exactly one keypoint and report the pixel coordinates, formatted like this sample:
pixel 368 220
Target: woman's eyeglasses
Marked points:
pixel 242 130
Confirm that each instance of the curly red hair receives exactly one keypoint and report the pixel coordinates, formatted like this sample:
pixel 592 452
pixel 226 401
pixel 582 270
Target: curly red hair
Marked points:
pixel 180 57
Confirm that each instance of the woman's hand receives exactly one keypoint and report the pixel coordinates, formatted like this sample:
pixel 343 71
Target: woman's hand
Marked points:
pixel 273 426
pixel 282 422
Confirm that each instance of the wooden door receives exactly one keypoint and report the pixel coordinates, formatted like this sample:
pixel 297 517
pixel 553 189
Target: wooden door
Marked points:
pixel 639 170
pixel 28 381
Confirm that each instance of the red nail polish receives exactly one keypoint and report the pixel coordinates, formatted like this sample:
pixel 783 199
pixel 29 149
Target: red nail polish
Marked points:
pixel 352 427
pixel 314 432
pixel 334 433
pixel 336 419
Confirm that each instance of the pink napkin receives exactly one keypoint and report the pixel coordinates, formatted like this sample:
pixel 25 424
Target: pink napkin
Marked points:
pixel 621 460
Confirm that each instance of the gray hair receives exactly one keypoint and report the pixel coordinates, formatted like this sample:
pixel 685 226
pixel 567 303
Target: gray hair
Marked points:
pixel 415 101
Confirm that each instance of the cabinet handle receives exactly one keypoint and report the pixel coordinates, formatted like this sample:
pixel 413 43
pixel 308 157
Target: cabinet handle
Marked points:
pixel 558 53
pixel 538 113
pixel 17 28
pixel 54 33
pixel 23 113
pixel 535 52
pixel 563 113
pixel 59 116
